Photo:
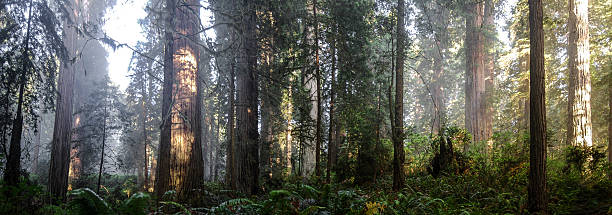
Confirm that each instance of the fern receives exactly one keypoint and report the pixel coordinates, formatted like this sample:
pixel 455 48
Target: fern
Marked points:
pixel 136 205
pixel 85 201
pixel 182 207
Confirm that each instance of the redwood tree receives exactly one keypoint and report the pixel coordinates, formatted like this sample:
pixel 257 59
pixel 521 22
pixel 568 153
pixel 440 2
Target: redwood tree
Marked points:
pixel 537 118
pixel 579 127
pixel 247 136
pixel 62 129
pixel 180 159
pixel 398 130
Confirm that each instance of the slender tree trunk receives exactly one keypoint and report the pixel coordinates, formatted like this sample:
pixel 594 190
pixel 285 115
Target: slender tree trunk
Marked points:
pixel 37 147
pixel 181 167
pixel 247 158
pixel 331 146
pixel 537 120
pixel 579 127
pixel 231 146
pixel 489 76
pixel 610 123
pixel 318 76
pixel 103 146
pixel 145 137
pixel 398 137
pixel 62 128
pixel 13 164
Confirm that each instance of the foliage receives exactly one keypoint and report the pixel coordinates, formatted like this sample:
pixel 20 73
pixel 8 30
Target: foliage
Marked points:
pixel 85 201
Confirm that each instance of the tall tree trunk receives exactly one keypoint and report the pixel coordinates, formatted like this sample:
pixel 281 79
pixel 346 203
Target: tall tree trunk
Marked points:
pixel 231 146
pixel 13 163
pixel 489 75
pixel 398 136
pixel 180 160
pixel 318 77
pixel 102 156
pixel 37 146
pixel 331 146
pixel 537 105
pixel 62 128
pixel 475 81
pixel 145 137
pixel 579 127
pixel 247 158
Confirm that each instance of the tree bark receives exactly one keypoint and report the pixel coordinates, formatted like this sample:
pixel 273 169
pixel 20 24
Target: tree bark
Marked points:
pixel 475 73
pixel 62 128
pixel 318 82
pixel 579 127
pixel 537 119
pixel 247 158
pixel 181 160
pixel 398 137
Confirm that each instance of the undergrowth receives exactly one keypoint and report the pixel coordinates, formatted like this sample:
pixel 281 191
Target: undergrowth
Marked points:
pixel 578 183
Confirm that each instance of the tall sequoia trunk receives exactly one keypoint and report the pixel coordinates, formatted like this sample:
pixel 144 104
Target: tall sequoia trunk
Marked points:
pixel 180 159
pixel 398 130
pixel 247 136
pixel 437 92
pixel 579 127
pixel 13 163
pixel 62 128
pixel 537 105
pixel 475 69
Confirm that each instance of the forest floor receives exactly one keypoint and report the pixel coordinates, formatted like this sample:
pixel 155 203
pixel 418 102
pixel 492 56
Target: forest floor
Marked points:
pixel 494 185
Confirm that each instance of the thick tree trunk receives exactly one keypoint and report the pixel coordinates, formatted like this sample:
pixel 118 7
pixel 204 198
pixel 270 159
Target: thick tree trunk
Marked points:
pixel 62 128
pixel 247 158
pixel 475 82
pixel 181 167
pixel 579 127
pixel 537 120
pixel 398 136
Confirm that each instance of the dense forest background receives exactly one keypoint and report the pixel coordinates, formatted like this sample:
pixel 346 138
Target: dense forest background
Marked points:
pixel 308 107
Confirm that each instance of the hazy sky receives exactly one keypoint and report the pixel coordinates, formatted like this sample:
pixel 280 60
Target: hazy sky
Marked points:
pixel 122 25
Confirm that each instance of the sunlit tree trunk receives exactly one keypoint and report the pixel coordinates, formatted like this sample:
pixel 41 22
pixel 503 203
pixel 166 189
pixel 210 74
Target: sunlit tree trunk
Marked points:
pixel 180 159
pixel 13 163
pixel 537 105
pixel 62 128
pixel 398 130
pixel 579 127
pixel 247 136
